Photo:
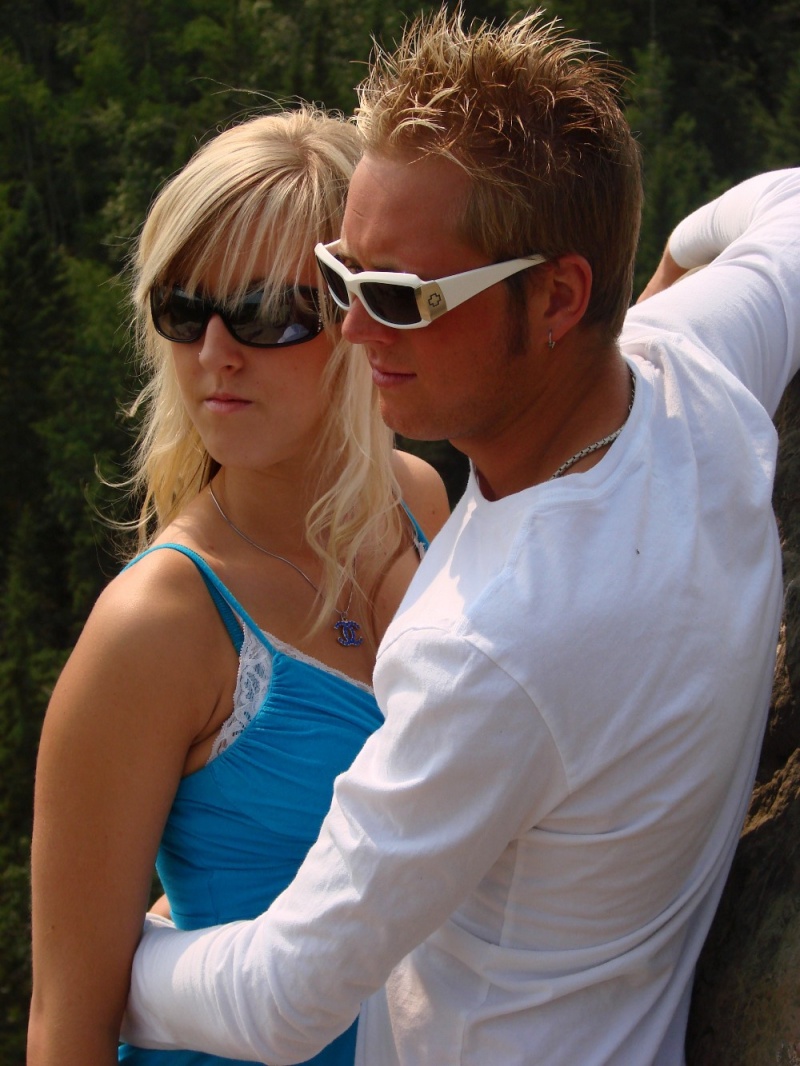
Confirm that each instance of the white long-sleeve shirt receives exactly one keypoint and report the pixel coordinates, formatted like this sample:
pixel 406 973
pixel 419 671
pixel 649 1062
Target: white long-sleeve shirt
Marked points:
pixel 522 864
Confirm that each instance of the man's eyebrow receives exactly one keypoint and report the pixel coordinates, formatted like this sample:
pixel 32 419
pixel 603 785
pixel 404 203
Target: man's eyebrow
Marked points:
pixel 355 263
pixel 345 257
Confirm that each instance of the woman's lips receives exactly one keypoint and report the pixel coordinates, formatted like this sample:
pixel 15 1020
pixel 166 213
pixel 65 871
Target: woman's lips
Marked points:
pixel 224 404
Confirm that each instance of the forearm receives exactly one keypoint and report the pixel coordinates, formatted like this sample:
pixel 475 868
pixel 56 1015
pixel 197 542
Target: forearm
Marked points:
pixel 742 309
pixel 62 1036
pixel 704 234
pixel 667 273
pixel 238 991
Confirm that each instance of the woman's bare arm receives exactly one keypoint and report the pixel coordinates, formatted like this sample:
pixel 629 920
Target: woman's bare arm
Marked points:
pixel 137 690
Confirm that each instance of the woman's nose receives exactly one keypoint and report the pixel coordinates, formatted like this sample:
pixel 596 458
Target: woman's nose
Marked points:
pixel 218 347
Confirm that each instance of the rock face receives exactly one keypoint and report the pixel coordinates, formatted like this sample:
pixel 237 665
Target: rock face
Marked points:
pixel 746 1005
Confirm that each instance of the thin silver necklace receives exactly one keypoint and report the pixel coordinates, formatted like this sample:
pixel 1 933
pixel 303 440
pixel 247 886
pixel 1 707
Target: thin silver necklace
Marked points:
pixel 346 629
pixel 598 444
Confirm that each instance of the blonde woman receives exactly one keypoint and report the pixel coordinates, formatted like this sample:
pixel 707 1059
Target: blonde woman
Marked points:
pixel 222 681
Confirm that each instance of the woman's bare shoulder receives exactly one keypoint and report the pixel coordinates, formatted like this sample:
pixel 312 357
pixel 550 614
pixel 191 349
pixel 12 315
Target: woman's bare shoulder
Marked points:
pixel 155 633
pixel 423 491
pixel 160 590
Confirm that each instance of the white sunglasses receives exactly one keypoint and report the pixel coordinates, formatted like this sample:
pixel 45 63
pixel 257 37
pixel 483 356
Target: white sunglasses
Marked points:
pixel 404 301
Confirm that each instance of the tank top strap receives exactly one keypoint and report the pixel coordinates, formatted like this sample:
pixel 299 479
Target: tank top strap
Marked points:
pixel 421 542
pixel 233 615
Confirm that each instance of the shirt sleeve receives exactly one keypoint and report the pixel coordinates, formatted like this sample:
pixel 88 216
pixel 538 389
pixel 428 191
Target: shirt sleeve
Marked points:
pixel 743 307
pixel 462 765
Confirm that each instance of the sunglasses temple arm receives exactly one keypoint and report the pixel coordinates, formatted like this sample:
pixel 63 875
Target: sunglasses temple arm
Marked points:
pixel 462 287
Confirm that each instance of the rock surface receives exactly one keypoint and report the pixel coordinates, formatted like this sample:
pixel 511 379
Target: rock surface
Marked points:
pixel 746 1005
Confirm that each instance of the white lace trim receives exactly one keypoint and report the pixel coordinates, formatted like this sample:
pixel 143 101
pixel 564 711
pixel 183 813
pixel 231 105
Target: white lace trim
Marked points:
pixel 252 683
pixel 255 673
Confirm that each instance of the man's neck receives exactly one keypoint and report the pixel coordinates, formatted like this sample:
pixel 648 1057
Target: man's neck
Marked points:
pixel 588 399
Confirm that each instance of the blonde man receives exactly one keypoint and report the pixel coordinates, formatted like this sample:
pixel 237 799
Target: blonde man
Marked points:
pixel 529 853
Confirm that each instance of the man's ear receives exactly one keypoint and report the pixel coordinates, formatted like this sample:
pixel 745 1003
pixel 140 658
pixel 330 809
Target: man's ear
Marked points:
pixel 569 286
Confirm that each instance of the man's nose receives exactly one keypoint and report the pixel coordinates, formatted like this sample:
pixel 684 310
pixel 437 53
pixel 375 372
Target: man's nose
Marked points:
pixel 359 327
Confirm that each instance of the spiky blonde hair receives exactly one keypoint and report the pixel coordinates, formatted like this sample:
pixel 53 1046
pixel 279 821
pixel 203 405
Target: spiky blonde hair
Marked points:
pixel 533 116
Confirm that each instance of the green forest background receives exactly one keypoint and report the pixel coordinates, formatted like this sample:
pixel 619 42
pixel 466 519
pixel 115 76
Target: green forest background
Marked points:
pixel 99 103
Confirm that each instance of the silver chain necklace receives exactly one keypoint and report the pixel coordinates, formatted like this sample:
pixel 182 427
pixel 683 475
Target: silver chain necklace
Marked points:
pixel 598 444
pixel 346 629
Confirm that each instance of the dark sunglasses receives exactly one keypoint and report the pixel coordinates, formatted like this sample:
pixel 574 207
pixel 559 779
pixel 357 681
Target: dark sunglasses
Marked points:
pixel 278 320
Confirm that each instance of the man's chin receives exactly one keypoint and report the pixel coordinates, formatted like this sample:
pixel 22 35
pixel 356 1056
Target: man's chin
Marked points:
pixel 412 429
pixel 424 425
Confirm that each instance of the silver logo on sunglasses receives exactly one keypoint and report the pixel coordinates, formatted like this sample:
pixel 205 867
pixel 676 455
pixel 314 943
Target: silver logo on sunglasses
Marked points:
pixel 431 301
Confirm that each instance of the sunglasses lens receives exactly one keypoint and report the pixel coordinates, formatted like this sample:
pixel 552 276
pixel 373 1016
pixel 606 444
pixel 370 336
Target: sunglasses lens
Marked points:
pixel 287 317
pixel 336 285
pixel 395 304
pixel 177 316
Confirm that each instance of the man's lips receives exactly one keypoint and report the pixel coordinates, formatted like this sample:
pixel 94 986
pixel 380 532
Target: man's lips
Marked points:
pixel 387 379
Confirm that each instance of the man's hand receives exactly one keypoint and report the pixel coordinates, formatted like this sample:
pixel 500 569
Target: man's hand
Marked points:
pixel 161 908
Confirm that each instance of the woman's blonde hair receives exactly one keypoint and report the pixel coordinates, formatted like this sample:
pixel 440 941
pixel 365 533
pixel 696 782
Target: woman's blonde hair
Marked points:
pixel 275 185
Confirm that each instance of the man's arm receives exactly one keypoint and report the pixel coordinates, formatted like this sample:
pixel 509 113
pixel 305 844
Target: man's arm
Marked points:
pixel 744 307
pixel 666 274
pixel 462 766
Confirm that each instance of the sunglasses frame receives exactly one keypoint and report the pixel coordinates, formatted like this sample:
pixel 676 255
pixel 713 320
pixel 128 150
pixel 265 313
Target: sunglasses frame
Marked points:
pixel 433 298
pixel 211 307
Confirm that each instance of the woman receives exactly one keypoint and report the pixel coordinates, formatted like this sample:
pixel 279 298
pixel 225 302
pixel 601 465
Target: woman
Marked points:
pixel 222 681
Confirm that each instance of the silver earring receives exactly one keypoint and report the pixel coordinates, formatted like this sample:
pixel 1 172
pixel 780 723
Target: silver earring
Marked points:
pixel 550 342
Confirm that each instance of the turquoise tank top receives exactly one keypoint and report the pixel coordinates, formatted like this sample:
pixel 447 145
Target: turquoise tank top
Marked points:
pixel 240 826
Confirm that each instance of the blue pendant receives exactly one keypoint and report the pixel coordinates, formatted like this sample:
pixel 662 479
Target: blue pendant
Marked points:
pixel 348 637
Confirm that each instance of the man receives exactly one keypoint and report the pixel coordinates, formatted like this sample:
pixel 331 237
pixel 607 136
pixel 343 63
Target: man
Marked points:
pixel 522 864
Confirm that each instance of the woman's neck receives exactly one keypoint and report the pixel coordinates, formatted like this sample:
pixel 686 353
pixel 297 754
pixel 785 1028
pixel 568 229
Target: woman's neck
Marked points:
pixel 270 508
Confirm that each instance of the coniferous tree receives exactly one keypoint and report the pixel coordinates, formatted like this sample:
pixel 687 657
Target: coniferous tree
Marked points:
pixel 783 132
pixel 678 173
pixel 34 321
